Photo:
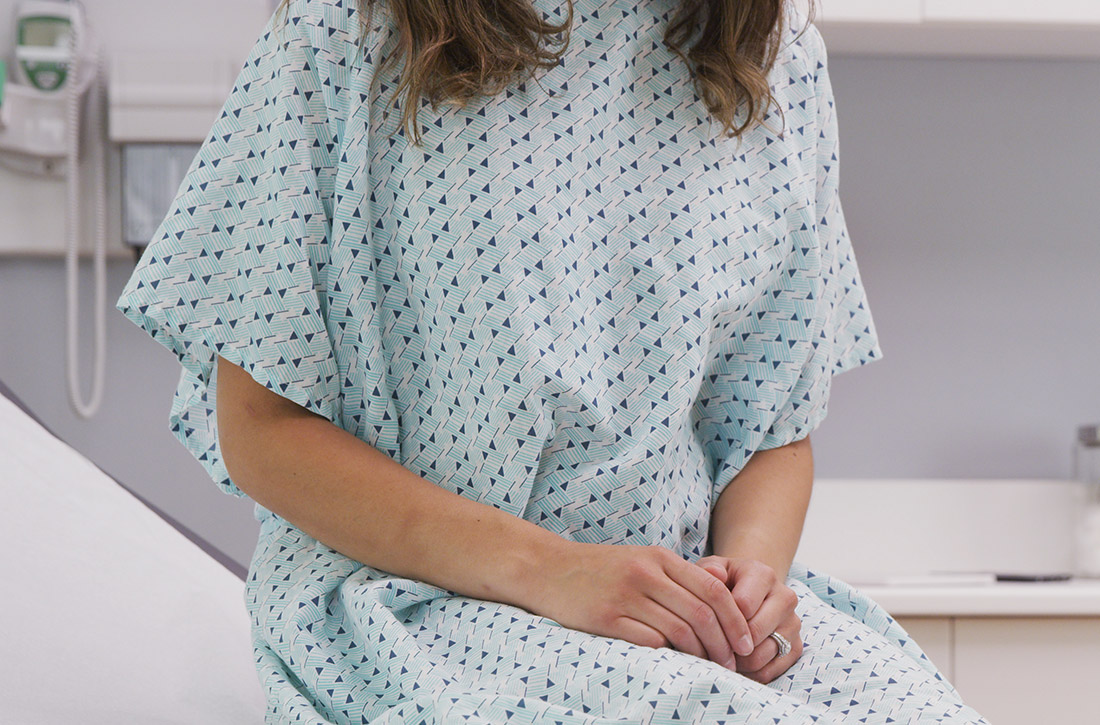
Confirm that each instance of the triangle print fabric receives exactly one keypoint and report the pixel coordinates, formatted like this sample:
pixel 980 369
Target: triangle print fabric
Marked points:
pixel 577 302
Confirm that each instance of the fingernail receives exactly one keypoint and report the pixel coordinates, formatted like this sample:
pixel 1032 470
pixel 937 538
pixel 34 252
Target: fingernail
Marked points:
pixel 744 645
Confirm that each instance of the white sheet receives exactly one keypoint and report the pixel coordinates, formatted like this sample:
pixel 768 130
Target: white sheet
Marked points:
pixel 109 614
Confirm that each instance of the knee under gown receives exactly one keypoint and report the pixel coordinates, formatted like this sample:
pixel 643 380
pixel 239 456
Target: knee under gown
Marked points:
pixel 576 301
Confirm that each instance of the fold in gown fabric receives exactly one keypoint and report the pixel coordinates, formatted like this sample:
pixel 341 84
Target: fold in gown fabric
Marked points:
pixel 576 301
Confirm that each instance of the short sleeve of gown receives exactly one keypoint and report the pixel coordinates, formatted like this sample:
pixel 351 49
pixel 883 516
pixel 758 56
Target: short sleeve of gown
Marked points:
pixel 846 336
pixel 236 267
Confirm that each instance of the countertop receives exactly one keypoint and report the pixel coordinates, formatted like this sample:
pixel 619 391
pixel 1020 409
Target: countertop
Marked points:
pixel 1076 597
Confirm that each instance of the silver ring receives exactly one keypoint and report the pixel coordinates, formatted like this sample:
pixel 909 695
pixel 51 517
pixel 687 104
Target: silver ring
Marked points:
pixel 784 645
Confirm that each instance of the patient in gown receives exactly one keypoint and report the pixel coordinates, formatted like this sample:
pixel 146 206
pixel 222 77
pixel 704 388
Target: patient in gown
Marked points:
pixel 523 387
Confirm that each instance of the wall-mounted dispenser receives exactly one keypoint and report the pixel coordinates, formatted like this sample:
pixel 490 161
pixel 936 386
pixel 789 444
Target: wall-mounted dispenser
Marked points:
pixel 56 66
pixel 33 109
pixel 160 110
pixel 151 176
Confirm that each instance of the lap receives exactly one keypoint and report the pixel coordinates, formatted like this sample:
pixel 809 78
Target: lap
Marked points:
pixel 856 672
pixel 334 644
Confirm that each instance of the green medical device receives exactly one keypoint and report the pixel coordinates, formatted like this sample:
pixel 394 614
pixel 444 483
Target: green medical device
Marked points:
pixel 42 36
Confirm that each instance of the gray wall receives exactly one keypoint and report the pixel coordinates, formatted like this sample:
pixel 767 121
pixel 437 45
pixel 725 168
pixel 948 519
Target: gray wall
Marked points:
pixel 129 436
pixel 970 189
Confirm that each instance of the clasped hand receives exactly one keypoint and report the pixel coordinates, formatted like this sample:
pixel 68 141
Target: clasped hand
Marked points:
pixel 719 608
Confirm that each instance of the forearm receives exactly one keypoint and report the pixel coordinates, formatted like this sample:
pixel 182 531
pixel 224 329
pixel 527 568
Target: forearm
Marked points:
pixel 761 512
pixel 360 502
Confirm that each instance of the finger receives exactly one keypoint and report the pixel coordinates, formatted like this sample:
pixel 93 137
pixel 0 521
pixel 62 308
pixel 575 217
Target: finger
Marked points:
pixel 680 635
pixel 717 565
pixel 751 587
pixel 699 618
pixel 764 653
pixel 768 651
pixel 639 633
pixel 765 661
pixel 778 665
pixel 777 609
pixel 716 569
pixel 717 597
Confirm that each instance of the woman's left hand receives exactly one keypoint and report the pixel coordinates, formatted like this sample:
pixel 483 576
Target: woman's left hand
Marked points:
pixel 769 606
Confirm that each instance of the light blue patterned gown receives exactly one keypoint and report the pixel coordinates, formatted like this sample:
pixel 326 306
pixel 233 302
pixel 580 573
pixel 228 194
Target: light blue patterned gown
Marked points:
pixel 577 302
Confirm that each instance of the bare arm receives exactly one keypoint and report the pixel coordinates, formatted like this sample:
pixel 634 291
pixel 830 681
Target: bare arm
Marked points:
pixel 761 513
pixel 360 502
pixel 755 528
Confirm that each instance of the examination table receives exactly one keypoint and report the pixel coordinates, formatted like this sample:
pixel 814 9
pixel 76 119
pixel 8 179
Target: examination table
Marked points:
pixel 112 611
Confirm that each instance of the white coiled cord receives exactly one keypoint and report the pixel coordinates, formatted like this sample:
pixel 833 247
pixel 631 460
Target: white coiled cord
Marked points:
pixel 75 89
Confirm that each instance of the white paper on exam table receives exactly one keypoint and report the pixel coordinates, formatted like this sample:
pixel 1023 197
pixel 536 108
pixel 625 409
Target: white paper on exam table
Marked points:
pixel 109 614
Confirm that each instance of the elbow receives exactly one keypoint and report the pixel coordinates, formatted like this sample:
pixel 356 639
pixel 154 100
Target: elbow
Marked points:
pixel 250 426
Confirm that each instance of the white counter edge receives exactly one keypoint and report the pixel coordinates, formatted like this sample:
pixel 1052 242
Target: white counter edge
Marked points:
pixel 1078 598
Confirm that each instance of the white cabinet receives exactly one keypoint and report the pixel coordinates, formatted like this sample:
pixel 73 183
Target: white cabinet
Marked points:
pixel 1029 670
pixel 983 28
pixel 1012 11
pixel 1020 653
pixel 1017 670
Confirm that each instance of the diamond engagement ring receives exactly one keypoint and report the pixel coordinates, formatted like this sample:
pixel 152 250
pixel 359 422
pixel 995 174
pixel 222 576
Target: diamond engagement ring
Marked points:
pixel 784 645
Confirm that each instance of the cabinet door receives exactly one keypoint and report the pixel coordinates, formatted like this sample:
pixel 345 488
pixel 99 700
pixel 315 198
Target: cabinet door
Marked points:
pixel 1023 670
pixel 1014 11
pixel 933 635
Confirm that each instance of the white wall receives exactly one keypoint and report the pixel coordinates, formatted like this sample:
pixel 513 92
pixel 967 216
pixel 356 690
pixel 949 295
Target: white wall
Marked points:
pixel 969 188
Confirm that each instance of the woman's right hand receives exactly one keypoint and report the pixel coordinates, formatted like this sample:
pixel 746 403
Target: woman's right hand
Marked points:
pixel 646 595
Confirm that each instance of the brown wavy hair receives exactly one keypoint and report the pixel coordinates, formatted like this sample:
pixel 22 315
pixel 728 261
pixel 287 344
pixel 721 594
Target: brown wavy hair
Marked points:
pixel 456 50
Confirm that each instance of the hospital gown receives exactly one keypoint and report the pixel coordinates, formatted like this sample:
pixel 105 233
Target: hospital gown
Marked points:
pixel 577 301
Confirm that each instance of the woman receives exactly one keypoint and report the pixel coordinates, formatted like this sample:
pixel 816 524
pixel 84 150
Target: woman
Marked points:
pixel 523 385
